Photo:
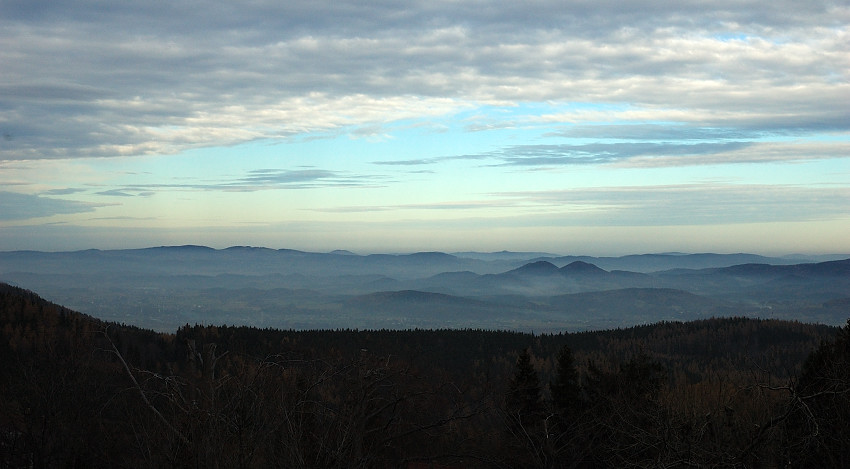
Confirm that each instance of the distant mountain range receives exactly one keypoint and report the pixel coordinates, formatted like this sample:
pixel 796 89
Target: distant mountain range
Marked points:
pixel 202 260
pixel 164 287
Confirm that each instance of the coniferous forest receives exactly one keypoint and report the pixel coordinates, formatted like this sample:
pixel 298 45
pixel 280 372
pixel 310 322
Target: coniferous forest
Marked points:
pixel 723 392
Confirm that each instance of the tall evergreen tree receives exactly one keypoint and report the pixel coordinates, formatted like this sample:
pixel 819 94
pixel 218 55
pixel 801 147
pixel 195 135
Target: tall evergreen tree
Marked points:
pixel 523 397
pixel 565 388
pixel 823 393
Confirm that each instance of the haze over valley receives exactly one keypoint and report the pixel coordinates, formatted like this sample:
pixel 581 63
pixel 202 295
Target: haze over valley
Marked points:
pixel 166 287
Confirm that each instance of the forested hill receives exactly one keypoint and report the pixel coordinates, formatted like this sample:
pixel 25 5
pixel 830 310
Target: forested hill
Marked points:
pixel 83 392
pixel 727 343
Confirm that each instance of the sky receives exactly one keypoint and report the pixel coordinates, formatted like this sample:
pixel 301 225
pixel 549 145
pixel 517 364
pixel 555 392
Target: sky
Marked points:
pixel 572 127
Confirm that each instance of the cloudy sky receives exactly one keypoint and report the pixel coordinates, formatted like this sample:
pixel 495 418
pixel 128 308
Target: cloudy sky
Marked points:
pixel 574 127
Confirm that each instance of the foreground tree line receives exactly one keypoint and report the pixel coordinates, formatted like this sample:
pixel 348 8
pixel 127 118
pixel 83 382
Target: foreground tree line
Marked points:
pixel 78 392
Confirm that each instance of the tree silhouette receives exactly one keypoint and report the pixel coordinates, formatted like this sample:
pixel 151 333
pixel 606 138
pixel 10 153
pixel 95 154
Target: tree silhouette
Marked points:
pixel 822 396
pixel 565 389
pixel 523 399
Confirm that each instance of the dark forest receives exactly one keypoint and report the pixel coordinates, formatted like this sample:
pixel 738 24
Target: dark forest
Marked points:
pixel 720 392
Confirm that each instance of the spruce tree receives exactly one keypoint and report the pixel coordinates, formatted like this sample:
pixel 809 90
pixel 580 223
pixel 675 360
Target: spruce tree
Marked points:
pixel 523 397
pixel 565 389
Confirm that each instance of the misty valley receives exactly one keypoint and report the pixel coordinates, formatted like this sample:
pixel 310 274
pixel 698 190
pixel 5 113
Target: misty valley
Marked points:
pixel 164 288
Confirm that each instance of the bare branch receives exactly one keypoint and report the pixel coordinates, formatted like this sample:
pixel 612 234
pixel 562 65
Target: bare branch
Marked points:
pixel 142 392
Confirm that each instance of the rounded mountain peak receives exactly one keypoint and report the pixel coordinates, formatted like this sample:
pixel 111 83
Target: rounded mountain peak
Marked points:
pixel 537 268
pixel 581 267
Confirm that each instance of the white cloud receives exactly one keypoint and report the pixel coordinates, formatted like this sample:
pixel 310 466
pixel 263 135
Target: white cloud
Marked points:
pixel 770 152
pixel 84 80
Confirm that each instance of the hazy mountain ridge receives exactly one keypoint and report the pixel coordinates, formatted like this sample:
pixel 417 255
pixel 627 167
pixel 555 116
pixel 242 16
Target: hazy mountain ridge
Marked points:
pixel 258 260
pixel 164 287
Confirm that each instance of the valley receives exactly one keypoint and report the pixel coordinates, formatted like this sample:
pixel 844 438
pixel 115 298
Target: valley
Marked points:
pixel 166 287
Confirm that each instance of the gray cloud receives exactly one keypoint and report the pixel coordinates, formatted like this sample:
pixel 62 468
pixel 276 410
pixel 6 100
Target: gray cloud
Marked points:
pixel 757 152
pixel 260 179
pixel 654 132
pixel 598 153
pixel 283 177
pixel 538 155
pixel 82 79
pixel 15 206
pixel 64 191
pixel 115 193
pixel 256 180
pixel 297 17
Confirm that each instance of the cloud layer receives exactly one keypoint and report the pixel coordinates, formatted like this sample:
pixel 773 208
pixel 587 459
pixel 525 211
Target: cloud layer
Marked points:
pixel 97 79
